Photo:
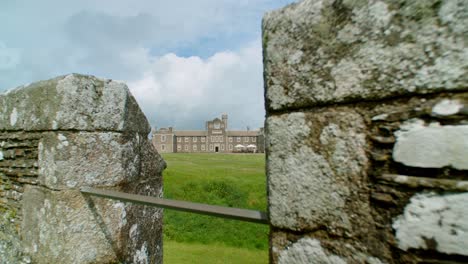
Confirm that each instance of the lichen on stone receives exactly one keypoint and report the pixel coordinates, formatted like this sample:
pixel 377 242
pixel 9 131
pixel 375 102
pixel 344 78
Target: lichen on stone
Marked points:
pixel 442 219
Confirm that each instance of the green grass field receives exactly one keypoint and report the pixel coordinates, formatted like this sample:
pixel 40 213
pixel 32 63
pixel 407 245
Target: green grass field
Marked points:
pixel 175 252
pixel 236 180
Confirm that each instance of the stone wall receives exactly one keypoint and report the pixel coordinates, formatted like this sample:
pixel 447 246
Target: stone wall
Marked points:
pixel 57 136
pixel 367 131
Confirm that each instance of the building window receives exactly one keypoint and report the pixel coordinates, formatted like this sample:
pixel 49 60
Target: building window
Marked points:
pixel 186 139
pixel 186 147
pixel 195 147
pixel 246 139
pixel 194 139
pixel 230 147
pixel 238 139
pixel 179 139
pixel 163 138
pixel 212 139
pixel 163 147
pixel 203 147
pixel 179 147
pixel 230 139
pixel 203 139
pixel 222 147
pixel 211 147
pixel 254 139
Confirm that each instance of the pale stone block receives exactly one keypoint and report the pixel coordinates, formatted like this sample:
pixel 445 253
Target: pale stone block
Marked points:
pixel 59 227
pixel 308 251
pixel 286 248
pixel 73 159
pixel 438 222
pixel 432 146
pixel 316 167
pixel 447 107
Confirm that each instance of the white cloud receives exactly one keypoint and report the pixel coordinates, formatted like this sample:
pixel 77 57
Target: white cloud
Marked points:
pixel 133 41
pixel 173 88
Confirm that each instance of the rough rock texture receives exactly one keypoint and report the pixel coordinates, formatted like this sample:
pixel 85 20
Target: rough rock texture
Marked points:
pixel 415 146
pixel 72 102
pixel 308 250
pixel 436 222
pixel 332 177
pixel 111 158
pixel 326 51
pixel 366 131
pixel 57 136
pixel 319 163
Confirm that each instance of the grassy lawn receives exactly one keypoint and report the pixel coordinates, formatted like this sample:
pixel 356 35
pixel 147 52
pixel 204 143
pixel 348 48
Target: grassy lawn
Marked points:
pixel 236 180
pixel 175 252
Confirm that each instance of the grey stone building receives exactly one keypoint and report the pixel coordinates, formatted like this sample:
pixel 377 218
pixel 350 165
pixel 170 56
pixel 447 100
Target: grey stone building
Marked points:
pixel 215 138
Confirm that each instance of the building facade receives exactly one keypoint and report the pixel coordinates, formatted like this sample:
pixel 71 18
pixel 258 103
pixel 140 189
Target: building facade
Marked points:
pixel 215 138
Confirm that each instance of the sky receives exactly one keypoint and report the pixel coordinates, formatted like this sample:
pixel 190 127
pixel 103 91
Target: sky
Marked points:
pixel 185 61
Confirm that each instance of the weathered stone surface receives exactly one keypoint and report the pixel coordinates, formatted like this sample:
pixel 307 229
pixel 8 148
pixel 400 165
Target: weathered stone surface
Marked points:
pixel 424 182
pixel 437 222
pixel 56 222
pixel 447 107
pixel 58 136
pixel 10 243
pixel 142 236
pixel 432 146
pixel 308 251
pixel 386 196
pixel 311 250
pixel 72 102
pixel 316 166
pixel 323 52
pixel 349 85
pixel 111 159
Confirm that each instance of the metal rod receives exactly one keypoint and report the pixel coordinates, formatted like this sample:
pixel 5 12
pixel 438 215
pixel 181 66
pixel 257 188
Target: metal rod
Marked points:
pixel 213 210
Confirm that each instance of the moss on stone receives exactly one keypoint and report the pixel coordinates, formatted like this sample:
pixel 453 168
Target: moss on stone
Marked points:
pixel 420 10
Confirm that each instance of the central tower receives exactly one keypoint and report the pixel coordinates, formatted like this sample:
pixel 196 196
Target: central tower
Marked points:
pixel 224 117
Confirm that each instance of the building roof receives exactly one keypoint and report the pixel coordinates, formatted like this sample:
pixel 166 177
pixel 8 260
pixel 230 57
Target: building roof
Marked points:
pixel 190 133
pixel 243 133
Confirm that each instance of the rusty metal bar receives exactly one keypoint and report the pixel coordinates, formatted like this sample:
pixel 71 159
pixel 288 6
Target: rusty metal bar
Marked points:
pixel 213 210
